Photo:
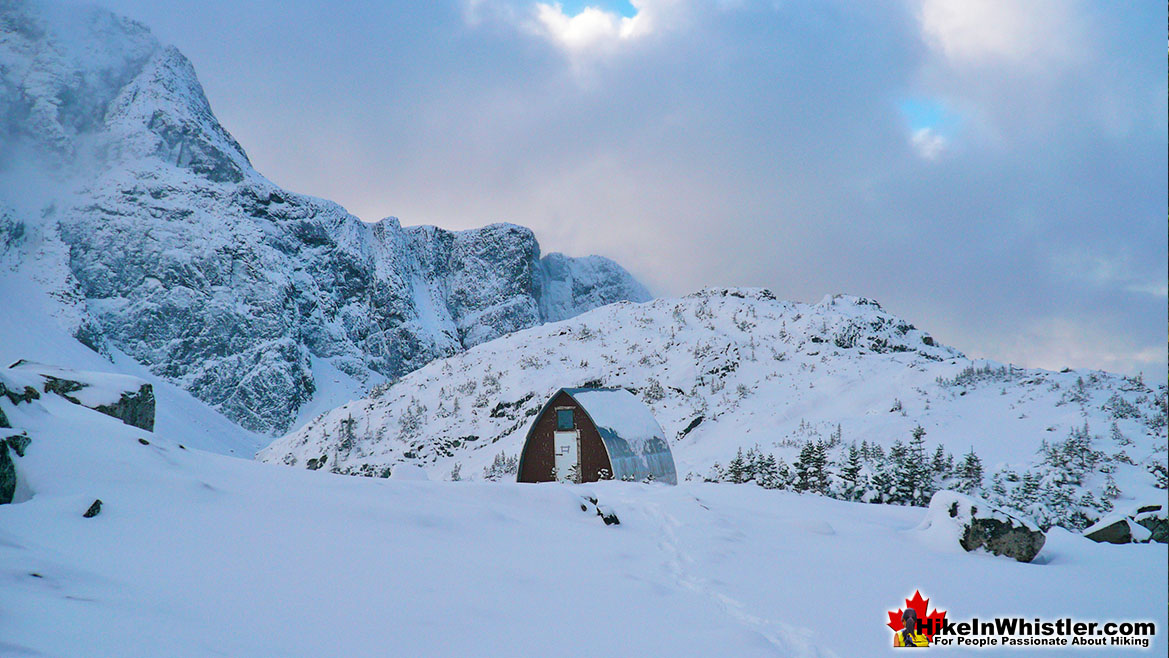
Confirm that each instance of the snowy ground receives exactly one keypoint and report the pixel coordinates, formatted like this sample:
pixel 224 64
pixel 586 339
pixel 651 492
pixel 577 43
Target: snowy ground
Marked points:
pixel 196 554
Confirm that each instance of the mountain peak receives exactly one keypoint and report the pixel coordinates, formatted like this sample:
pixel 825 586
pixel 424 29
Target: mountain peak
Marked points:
pixel 137 210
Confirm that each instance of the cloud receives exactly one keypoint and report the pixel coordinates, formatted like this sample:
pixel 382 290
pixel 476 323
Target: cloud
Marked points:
pixel 1115 272
pixel 591 30
pixel 1064 342
pixel 1031 33
pixel 744 143
pixel 928 143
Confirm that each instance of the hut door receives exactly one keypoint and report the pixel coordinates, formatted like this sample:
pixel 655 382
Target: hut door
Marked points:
pixel 567 454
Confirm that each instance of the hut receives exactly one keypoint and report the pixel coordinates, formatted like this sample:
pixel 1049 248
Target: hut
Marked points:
pixel 590 434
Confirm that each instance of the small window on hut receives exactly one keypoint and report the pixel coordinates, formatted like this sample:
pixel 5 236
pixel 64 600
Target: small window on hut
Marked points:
pixel 564 419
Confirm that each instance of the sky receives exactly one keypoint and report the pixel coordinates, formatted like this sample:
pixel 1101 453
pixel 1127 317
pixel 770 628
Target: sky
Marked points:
pixel 993 172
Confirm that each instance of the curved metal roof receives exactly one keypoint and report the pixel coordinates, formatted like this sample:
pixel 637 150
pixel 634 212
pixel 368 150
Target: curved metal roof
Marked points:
pixel 633 438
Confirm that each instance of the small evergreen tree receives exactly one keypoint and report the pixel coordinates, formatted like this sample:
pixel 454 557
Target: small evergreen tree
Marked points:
pixel 736 471
pixel 850 473
pixel 970 474
pixel 767 475
pixel 811 468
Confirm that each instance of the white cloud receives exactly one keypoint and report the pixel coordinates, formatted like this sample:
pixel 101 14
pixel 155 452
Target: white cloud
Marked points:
pixel 1030 33
pixel 591 28
pixel 928 143
pixel 595 31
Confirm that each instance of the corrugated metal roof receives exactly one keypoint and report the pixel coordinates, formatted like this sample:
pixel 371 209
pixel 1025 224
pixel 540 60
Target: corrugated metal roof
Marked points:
pixel 635 441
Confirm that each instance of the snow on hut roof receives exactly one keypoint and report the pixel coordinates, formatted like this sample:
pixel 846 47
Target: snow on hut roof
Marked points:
pixel 635 441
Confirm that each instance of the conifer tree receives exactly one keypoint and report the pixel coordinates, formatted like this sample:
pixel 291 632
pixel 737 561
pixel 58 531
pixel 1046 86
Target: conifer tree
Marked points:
pixel 767 473
pixel 970 474
pixel 850 473
pixel 736 471
pixel 906 474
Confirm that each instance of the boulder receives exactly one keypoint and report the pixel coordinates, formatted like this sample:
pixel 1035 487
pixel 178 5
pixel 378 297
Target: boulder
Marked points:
pixel 7 475
pixel 1157 521
pixel 94 509
pixel 129 399
pixel 975 524
pixel 12 445
pixel 18 443
pixel 1137 525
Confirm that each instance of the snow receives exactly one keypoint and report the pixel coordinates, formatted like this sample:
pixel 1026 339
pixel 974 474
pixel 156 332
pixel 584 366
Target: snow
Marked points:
pixel 618 412
pixel 942 532
pixel 30 330
pixel 409 473
pixel 1138 532
pixel 196 554
pixel 124 200
pixel 98 388
pixel 724 369
pixel 635 442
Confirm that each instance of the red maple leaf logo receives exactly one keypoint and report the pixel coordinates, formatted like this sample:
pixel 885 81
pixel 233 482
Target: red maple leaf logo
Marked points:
pixel 919 606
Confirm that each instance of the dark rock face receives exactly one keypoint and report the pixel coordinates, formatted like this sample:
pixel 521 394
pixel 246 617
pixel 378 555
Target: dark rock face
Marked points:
pixel 608 516
pixel 7 475
pixel 12 445
pixel 133 408
pixel 18 394
pixel 1117 532
pixel 1003 538
pixel 19 443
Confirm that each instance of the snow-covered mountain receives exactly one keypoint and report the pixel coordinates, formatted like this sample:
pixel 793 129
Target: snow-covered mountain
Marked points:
pixel 124 199
pixel 734 369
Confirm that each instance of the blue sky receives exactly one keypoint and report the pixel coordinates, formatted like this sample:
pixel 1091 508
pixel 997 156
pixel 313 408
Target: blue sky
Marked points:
pixel 994 172
pixel 619 7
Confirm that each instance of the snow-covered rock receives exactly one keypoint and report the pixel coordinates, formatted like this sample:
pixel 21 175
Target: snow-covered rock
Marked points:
pixel 1143 524
pixel 134 208
pixel 974 524
pixel 126 398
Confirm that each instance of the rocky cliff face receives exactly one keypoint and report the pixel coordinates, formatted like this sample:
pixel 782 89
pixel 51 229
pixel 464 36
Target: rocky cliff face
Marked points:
pixel 124 197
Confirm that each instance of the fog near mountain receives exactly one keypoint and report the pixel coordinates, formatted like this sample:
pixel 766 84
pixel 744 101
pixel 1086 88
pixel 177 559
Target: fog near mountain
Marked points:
pixel 124 199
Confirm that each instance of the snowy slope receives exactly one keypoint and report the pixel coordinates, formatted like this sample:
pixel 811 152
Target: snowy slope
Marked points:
pixel 729 369
pixel 123 198
pixel 28 330
pixel 195 555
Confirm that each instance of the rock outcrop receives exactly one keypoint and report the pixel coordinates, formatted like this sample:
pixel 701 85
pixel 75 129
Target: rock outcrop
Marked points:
pixel 1147 523
pixel 126 398
pixel 7 475
pixel 977 525
pixel 16 389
